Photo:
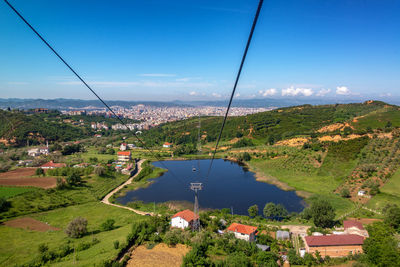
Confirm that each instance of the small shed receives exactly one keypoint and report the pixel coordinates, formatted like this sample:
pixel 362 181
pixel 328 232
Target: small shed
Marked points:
pixel 282 235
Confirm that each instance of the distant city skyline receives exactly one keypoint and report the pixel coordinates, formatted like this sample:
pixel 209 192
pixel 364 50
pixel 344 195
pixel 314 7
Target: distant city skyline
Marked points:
pixel 190 50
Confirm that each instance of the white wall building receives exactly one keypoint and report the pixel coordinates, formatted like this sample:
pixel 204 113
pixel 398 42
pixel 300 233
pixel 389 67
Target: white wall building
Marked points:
pixel 183 219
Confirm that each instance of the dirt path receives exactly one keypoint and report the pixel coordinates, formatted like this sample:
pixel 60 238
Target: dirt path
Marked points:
pixel 105 200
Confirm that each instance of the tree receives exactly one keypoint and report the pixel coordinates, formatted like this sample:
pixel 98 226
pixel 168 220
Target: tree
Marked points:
pixel 266 258
pixel 345 192
pixel 253 211
pixel 392 216
pixel 246 156
pixel 322 213
pixel 381 246
pixel 107 225
pixel 196 257
pixel 238 259
pixel 99 170
pixel 74 179
pixel 4 204
pixel 77 227
pixel 39 172
pixel 274 211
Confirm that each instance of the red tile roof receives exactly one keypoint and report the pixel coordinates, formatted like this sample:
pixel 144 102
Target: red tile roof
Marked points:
pixel 51 164
pixel 167 144
pixel 187 215
pixel 241 228
pixel 356 224
pixel 334 240
pixel 124 153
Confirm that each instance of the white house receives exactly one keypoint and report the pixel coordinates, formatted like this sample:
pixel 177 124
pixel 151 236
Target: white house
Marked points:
pixel 124 155
pixel 361 193
pixel 242 231
pixel 122 147
pixel 34 152
pixel 167 145
pixel 183 219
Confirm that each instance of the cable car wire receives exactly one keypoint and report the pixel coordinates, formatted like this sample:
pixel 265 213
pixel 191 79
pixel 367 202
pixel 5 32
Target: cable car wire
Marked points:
pixel 235 85
pixel 83 81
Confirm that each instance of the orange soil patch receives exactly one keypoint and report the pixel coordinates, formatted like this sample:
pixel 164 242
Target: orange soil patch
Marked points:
pixel 30 224
pixel 23 177
pixel 334 127
pixel 298 141
pixel 160 255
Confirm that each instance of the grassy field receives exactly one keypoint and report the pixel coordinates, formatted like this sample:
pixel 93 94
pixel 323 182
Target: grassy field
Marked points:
pixel 7 192
pixel 22 245
pixel 390 193
pixel 308 182
pixel 92 189
pixel 379 118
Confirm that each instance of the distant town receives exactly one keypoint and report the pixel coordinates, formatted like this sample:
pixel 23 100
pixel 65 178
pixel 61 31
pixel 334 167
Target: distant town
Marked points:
pixel 151 116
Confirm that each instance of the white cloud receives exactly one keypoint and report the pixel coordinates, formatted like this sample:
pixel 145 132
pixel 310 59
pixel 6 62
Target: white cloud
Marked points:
pixel 342 90
pixel 237 95
pixel 385 95
pixel 216 95
pixel 157 75
pixel 268 92
pixel 291 91
pixel 323 92
pixel 193 93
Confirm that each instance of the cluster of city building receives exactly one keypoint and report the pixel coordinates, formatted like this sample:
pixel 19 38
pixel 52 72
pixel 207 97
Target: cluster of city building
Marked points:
pixel 150 116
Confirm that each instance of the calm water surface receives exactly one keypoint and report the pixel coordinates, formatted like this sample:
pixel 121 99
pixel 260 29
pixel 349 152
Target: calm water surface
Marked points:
pixel 229 185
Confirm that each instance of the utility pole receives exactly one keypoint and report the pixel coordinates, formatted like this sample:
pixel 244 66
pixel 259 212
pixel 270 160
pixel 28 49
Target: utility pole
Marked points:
pixel 196 187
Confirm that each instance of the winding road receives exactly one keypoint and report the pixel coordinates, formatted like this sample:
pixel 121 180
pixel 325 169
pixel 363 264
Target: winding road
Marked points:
pixel 106 200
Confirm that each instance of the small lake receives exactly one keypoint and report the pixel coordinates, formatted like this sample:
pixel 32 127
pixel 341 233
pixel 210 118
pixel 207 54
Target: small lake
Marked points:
pixel 229 186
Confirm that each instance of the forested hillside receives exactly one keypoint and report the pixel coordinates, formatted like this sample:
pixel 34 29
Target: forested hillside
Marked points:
pixel 16 128
pixel 279 124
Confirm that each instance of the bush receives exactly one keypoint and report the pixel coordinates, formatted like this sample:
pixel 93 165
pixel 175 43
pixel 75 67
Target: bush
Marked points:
pixel 39 172
pixel 107 225
pixel 345 192
pixel 74 179
pixel 4 204
pixel 77 227
pixel 116 244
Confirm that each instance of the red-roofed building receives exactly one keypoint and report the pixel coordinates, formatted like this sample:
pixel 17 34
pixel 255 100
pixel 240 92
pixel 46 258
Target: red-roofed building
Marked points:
pixel 183 219
pixel 242 231
pixel 122 147
pixel 167 145
pixel 52 165
pixel 334 245
pixel 124 155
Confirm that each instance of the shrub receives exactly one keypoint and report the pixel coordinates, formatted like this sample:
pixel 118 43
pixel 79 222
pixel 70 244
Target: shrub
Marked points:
pixel 107 225
pixel 100 171
pixel 77 227
pixel 116 244
pixel 74 179
pixel 4 204
pixel 39 172
pixel 345 192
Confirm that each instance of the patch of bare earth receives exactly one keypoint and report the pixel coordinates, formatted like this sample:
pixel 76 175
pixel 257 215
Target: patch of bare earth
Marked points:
pixel 23 177
pixel 160 255
pixel 298 141
pixel 30 224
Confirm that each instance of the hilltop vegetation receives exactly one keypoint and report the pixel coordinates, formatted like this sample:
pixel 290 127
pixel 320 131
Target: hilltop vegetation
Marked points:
pixel 272 126
pixel 16 128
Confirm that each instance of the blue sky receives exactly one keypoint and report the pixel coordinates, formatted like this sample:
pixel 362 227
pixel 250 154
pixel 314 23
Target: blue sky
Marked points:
pixel 191 49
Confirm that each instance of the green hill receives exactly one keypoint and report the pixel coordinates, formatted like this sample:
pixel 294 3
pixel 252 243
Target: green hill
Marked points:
pixel 16 128
pixel 279 124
